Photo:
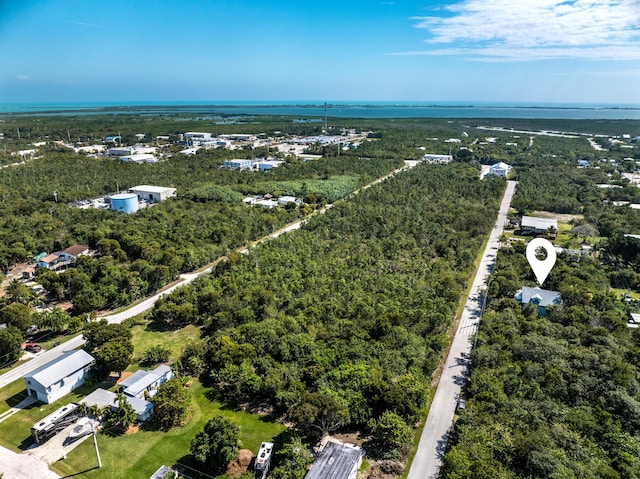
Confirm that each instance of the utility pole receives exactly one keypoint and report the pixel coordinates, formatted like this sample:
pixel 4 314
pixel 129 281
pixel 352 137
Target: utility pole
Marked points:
pixel 95 442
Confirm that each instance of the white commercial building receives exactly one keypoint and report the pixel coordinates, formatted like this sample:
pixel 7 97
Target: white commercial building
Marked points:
pixel 153 194
pixel 238 164
pixel 198 136
pixel 140 158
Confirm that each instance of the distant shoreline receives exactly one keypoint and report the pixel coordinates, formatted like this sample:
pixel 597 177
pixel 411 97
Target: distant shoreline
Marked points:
pixel 365 110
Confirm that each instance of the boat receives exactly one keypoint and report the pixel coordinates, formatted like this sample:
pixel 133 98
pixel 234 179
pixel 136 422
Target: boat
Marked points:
pixel 83 427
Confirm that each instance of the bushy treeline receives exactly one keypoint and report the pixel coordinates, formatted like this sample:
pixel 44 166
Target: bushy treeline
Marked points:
pixel 555 397
pixel 324 190
pixel 345 319
pixel 31 219
pixel 556 186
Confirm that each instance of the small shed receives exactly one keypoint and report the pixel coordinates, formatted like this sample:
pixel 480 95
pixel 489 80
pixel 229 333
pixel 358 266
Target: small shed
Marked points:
pixel 59 377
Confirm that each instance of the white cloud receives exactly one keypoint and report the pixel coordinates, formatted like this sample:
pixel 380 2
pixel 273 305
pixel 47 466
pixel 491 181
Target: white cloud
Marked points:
pixel 84 24
pixel 519 30
pixel 23 77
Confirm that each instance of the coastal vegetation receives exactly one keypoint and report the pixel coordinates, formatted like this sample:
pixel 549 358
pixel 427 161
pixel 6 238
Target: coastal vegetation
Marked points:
pixel 558 396
pixel 343 322
pixel 339 326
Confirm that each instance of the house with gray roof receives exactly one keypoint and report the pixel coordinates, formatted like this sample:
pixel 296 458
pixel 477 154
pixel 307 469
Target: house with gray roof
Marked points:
pixel 103 398
pixel 59 377
pixel 148 382
pixel 542 298
pixel 534 225
pixel 336 461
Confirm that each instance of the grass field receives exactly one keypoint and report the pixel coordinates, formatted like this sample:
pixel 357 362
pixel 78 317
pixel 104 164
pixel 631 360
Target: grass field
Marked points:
pixel 12 394
pixel 15 431
pixel 145 336
pixel 139 455
pixel 635 296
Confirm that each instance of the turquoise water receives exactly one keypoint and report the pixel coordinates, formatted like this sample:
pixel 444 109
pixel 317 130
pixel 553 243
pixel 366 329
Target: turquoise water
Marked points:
pixel 335 109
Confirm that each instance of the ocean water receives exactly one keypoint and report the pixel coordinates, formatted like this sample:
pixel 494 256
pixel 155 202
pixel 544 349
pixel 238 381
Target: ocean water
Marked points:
pixel 335 109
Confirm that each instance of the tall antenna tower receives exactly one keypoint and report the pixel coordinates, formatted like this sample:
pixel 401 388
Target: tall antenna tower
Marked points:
pixel 325 117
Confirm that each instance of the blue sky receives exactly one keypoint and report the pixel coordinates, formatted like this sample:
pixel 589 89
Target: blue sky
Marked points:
pixel 528 51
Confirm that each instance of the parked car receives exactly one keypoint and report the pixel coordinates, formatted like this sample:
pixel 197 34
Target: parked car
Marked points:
pixel 461 404
pixel 32 347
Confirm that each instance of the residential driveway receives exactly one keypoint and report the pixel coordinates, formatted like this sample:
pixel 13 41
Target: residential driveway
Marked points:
pixel 23 466
pixel 57 447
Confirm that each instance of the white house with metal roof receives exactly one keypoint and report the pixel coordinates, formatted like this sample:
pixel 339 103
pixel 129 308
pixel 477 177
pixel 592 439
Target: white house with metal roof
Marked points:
pixel 59 377
pixel 336 461
pixel 103 398
pixel 142 381
pixel 535 225
pixel 500 169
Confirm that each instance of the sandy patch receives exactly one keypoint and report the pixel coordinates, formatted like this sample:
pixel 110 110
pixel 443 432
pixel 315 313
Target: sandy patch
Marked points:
pixel 564 218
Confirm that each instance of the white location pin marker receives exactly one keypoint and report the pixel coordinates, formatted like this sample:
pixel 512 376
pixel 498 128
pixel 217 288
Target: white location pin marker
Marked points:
pixel 541 267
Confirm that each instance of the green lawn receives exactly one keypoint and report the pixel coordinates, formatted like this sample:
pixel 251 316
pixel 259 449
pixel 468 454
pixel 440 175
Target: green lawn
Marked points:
pixel 12 394
pixel 145 336
pixel 620 292
pixel 15 432
pixel 135 455
pixel 567 240
pixel 138 455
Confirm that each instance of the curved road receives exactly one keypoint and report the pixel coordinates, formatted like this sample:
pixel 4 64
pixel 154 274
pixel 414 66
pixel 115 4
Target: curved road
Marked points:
pixel 433 441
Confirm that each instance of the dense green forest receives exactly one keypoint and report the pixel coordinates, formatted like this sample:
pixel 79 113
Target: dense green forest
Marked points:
pixel 554 397
pixel 346 319
pixel 142 252
pixel 558 396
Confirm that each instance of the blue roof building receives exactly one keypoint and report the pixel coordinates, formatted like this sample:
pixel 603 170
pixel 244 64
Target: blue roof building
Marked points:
pixel 542 298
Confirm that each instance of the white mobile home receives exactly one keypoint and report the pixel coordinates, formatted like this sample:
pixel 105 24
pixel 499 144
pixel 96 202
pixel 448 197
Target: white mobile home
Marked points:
pixel 59 377
pixel 146 382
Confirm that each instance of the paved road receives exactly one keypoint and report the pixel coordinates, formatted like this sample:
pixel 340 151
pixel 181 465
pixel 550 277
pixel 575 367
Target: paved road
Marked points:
pixel 428 459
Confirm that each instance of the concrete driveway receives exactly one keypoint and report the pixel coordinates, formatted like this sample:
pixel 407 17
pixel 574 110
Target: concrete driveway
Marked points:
pixel 23 466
